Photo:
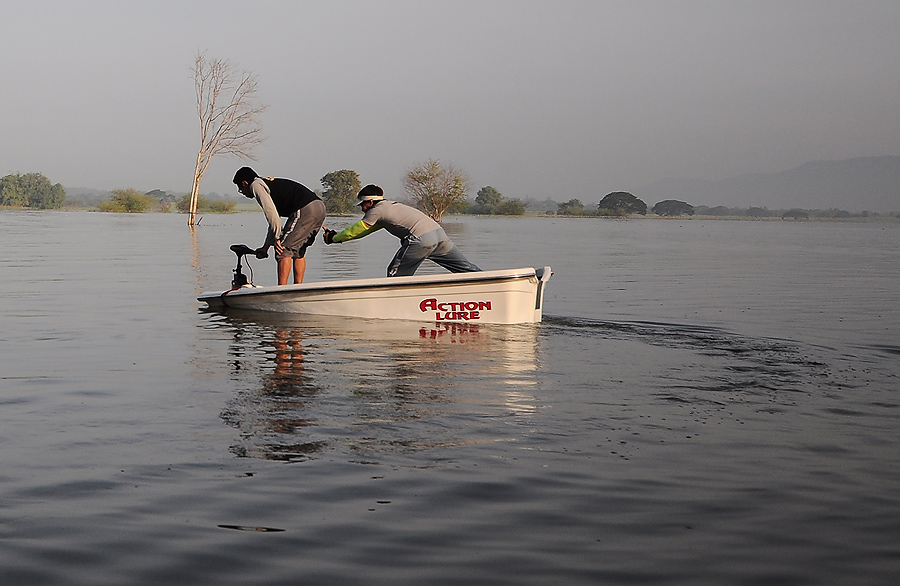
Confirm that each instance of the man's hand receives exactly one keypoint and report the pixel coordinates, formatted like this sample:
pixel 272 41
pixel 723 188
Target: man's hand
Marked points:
pixel 262 252
pixel 328 235
pixel 279 248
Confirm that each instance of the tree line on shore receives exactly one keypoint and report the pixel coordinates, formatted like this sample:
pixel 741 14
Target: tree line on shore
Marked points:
pixel 31 190
pixel 623 204
pixel 435 188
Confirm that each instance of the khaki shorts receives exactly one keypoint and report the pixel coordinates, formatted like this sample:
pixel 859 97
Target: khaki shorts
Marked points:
pixel 300 229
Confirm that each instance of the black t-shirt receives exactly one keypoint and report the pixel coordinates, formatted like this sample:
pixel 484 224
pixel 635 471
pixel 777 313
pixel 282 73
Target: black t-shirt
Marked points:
pixel 288 195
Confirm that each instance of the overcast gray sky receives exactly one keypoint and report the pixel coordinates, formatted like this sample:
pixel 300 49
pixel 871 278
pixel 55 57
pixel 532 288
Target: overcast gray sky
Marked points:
pixel 553 98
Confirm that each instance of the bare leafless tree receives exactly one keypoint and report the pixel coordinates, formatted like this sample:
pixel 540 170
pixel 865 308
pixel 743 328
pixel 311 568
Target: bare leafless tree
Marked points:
pixel 434 187
pixel 229 115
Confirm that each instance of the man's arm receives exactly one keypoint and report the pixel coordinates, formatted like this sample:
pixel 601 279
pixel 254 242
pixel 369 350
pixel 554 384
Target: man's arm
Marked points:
pixel 357 230
pixel 264 199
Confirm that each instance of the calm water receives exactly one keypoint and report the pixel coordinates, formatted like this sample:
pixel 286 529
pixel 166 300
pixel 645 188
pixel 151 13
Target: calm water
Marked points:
pixel 706 402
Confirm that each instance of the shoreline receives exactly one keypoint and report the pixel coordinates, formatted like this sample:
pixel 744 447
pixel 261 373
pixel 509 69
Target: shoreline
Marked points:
pixel 888 218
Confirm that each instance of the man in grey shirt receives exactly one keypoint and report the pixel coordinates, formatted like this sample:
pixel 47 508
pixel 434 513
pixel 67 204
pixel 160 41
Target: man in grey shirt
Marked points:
pixel 420 236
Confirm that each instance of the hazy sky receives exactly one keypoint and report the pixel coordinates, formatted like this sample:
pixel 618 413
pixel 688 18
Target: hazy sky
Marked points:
pixel 554 98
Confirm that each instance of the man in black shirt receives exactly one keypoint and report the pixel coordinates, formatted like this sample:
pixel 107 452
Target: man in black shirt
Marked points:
pixel 305 213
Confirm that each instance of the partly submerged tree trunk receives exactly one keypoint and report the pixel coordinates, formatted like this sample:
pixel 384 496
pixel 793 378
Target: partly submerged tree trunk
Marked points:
pixel 195 190
pixel 228 112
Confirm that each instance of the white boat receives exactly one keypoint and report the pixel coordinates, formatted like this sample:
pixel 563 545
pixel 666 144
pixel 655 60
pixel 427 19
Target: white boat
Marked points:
pixel 507 296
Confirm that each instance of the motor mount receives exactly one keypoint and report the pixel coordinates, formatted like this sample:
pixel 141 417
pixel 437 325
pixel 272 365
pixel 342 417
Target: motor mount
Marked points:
pixel 240 279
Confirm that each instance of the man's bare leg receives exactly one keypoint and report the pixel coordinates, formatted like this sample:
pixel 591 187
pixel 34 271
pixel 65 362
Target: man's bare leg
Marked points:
pixel 284 269
pixel 299 269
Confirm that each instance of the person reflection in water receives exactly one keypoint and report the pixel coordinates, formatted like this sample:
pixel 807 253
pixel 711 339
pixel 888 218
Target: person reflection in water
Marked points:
pixel 275 423
pixel 420 236
pixel 289 355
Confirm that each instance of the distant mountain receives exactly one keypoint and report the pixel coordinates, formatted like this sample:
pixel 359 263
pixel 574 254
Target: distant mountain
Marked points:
pixel 855 185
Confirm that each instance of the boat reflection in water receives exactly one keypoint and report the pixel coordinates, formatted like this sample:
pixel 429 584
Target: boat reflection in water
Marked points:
pixel 307 385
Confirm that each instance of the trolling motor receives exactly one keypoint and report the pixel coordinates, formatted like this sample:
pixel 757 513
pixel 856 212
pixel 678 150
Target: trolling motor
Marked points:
pixel 240 279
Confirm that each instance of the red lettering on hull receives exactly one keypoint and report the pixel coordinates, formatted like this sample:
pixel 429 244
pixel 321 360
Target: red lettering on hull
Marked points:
pixel 454 310
pixel 457 316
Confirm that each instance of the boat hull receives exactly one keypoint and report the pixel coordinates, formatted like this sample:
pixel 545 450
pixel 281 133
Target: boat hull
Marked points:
pixel 505 296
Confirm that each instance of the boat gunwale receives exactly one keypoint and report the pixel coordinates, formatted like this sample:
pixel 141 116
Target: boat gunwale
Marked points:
pixel 379 283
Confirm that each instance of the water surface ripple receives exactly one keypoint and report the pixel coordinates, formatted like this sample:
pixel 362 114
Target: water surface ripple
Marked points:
pixel 705 403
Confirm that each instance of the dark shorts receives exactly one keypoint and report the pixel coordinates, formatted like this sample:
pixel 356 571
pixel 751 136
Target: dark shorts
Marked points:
pixel 300 229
